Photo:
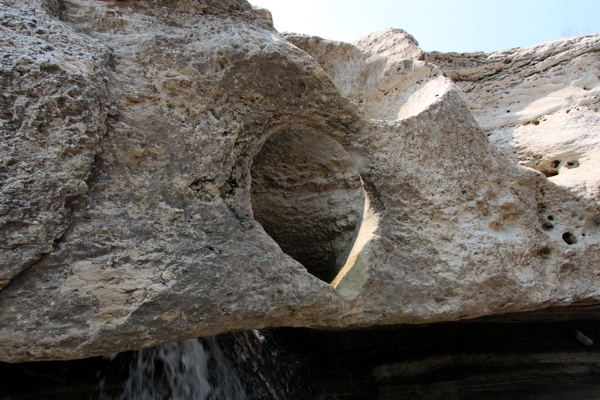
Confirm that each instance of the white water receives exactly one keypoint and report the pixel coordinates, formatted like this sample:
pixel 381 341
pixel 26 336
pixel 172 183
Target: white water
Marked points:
pixel 194 369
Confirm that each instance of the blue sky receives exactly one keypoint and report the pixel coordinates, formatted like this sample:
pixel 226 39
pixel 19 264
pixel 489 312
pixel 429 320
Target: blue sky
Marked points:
pixel 450 25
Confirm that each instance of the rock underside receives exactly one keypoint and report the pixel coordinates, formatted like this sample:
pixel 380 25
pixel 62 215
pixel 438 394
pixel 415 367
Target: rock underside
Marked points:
pixel 179 169
pixel 445 361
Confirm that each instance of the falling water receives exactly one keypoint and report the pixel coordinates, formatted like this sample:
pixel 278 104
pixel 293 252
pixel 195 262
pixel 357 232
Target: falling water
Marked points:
pixel 193 369
pixel 248 365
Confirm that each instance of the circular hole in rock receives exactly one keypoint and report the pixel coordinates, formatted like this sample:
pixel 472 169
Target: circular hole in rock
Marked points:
pixel 308 196
pixel 569 238
pixel 549 173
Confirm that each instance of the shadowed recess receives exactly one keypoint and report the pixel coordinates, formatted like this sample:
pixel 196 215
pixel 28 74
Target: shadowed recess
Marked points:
pixel 308 196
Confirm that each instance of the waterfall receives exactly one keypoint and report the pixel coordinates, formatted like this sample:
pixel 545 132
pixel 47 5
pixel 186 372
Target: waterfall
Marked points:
pixel 248 365
pixel 193 369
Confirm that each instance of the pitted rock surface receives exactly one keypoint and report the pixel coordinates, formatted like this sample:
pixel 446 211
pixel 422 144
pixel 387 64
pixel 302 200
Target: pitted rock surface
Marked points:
pixel 130 130
pixel 307 195
pixel 540 105
pixel 54 103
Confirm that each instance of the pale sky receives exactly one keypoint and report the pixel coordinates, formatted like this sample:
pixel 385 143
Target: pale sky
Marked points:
pixel 442 25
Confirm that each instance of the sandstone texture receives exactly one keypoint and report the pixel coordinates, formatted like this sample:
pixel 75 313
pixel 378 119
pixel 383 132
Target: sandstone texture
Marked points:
pixel 162 162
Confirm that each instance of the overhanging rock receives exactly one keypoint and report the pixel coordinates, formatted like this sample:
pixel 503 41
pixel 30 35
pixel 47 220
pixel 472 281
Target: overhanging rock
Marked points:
pixel 132 178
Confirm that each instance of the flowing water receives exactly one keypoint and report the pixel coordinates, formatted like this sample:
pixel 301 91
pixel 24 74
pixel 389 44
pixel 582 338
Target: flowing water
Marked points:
pixel 458 361
pixel 249 365
pixel 193 369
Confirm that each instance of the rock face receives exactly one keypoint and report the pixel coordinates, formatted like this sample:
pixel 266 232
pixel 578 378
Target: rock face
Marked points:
pixel 382 73
pixel 54 104
pixel 539 105
pixel 145 144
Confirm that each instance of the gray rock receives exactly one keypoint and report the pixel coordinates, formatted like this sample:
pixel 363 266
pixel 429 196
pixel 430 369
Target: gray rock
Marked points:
pixel 54 103
pixel 137 171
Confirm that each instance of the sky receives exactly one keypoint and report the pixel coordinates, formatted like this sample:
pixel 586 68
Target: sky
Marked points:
pixel 441 25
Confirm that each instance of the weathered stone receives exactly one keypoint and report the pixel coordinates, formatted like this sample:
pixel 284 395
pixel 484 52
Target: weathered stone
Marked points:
pixel 54 104
pixel 307 195
pixel 382 73
pixel 158 239
pixel 539 105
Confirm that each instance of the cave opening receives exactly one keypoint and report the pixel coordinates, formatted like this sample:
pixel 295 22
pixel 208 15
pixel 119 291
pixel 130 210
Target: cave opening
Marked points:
pixel 308 196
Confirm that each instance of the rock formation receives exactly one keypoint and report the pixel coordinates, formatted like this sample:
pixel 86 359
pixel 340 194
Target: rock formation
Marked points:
pixel 160 158
pixel 301 172
pixel 539 105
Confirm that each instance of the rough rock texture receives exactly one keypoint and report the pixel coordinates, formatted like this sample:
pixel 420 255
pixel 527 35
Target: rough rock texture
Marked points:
pixel 137 226
pixel 307 195
pixel 382 73
pixel 54 103
pixel 539 105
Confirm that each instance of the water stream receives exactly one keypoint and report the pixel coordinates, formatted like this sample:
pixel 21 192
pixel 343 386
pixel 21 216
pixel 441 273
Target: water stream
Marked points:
pixel 459 361
pixel 195 369
pixel 248 365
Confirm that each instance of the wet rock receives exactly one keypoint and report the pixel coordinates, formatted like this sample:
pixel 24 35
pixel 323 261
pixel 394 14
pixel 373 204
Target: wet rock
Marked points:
pixel 583 339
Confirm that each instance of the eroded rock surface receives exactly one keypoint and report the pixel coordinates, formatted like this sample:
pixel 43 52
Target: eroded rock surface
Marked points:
pixel 539 105
pixel 383 73
pixel 154 124
pixel 307 195
pixel 54 103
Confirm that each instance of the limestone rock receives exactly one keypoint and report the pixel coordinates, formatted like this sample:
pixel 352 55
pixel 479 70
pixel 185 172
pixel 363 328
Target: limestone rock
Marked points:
pixel 54 103
pixel 171 124
pixel 539 105
pixel 383 73
pixel 391 43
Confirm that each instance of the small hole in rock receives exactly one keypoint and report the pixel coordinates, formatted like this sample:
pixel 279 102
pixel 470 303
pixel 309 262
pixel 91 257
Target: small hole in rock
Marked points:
pixel 550 218
pixel 308 196
pixel 572 164
pixel 549 174
pixel 569 238
pixel 555 163
pixel 545 252
pixel 547 226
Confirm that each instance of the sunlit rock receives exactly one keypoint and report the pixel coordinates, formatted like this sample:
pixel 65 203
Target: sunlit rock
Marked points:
pixel 141 143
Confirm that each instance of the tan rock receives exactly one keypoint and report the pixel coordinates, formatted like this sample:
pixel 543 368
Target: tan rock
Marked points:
pixel 204 102
pixel 539 105
pixel 383 73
